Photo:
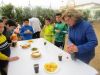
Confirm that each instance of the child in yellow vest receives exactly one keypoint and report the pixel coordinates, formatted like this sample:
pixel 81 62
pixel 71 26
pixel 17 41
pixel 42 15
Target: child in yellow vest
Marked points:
pixel 47 31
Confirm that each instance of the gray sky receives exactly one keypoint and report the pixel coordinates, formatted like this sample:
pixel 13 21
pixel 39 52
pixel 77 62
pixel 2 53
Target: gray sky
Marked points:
pixel 55 4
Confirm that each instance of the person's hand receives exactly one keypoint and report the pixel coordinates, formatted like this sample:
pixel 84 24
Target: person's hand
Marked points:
pixel 28 32
pixel 57 31
pixel 72 48
pixel 13 58
pixel 25 32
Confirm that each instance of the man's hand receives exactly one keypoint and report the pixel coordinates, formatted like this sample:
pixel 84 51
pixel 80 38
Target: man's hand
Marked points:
pixel 28 32
pixel 72 48
pixel 13 58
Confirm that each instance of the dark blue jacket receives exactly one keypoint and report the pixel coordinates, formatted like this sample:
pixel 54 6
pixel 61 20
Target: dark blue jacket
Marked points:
pixel 26 36
pixel 83 36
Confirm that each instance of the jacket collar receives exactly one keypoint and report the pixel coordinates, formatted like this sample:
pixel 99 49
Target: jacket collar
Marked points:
pixel 77 23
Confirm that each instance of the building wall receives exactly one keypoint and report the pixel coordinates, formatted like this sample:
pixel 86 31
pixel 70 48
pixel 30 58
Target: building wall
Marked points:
pixel 92 8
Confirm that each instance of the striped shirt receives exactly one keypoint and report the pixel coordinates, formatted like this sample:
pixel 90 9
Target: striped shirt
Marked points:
pixel 3 42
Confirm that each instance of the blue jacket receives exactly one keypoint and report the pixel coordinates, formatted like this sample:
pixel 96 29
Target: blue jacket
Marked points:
pixel 26 36
pixel 83 36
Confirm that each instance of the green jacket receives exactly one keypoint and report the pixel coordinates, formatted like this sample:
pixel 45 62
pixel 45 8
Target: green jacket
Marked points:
pixel 60 36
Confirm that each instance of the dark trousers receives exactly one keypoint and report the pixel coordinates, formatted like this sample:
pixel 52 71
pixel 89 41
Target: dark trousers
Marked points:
pixel 36 35
pixel 3 63
pixel 59 44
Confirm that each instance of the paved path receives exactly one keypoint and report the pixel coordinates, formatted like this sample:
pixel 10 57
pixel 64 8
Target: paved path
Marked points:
pixel 96 61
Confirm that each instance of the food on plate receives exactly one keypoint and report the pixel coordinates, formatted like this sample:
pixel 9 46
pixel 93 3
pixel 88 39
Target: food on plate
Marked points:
pixel 30 41
pixel 36 54
pixel 51 67
pixel 25 46
pixel 34 49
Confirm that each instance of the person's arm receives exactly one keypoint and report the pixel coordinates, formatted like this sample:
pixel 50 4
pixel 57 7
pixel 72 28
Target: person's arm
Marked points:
pixel 92 41
pixel 32 31
pixel 22 31
pixel 65 30
pixel 54 29
pixel 42 31
pixel 3 57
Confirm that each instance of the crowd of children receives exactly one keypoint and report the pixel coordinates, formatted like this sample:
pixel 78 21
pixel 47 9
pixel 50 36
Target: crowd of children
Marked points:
pixel 10 31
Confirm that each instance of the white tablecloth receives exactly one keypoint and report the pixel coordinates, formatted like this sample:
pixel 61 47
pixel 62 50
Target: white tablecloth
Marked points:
pixel 24 66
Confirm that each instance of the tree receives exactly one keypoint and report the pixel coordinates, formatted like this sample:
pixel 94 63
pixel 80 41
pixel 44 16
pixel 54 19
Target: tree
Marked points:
pixel 86 14
pixel 19 14
pixel 97 14
pixel 27 12
pixel 8 11
pixel 42 13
